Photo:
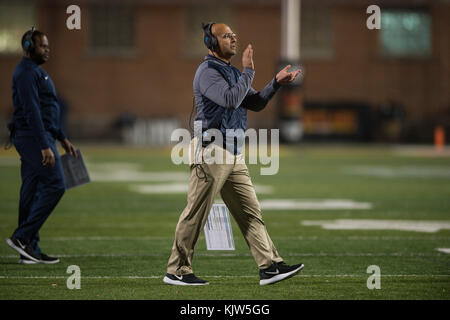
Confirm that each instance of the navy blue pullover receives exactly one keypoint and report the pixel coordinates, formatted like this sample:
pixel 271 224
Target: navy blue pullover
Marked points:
pixel 223 95
pixel 36 108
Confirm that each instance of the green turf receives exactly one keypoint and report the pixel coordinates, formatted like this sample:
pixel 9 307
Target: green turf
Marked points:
pixel 121 239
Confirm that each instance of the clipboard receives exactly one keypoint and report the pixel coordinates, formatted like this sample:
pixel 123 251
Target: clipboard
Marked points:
pixel 75 170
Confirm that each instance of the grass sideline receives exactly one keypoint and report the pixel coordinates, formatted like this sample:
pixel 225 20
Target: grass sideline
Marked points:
pixel 121 239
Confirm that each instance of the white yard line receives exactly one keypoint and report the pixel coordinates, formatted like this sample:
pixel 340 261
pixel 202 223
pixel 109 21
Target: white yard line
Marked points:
pixel 181 188
pixel 320 254
pixel 138 176
pixel 428 226
pixel 402 171
pixel 314 204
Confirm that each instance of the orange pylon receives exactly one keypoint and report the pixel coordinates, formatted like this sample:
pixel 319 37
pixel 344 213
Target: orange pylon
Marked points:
pixel 439 138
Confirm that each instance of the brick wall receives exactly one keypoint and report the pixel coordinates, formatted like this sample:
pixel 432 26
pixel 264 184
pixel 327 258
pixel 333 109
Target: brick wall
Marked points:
pixel 156 80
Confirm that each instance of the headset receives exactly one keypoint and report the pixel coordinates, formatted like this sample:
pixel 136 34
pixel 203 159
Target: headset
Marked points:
pixel 209 39
pixel 211 43
pixel 28 43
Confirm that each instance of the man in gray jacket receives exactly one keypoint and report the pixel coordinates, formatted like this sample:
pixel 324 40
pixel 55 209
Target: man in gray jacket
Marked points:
pixel 223 95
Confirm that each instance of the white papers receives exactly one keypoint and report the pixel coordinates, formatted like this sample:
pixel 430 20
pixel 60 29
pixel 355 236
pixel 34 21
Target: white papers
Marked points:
pixel 75 170
pixel 218 233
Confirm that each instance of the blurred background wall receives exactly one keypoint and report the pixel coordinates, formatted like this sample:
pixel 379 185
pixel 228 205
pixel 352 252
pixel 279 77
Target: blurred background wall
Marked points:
pixel 132 64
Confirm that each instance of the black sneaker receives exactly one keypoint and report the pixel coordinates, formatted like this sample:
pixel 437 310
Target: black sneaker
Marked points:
pixel 277 272
pixel 184 280
pixel 47 259
pixel 24 249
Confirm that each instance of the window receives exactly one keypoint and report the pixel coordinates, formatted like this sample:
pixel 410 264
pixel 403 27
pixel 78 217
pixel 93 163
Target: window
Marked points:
pixel 111 28
pixel 316 32
pixel 194 16
pixel 15 19
pixel 405 33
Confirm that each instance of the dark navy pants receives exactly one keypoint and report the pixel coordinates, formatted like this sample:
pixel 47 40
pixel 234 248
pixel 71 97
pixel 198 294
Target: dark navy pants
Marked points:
pixel 42 187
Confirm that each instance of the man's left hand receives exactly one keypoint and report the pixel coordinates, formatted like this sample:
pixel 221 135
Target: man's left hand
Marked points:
pixel 69 148
pixel 285 77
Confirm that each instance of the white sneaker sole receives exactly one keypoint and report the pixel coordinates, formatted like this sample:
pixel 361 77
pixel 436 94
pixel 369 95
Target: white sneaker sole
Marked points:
pixel 20 250
pixel 280 277
pixel 181 283
pixel 49 262
pixel 27 261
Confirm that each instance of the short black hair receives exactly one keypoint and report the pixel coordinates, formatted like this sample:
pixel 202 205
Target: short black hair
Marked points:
pixel 36 33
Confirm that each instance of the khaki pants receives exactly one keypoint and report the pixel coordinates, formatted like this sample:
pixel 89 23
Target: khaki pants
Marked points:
pixel 233 181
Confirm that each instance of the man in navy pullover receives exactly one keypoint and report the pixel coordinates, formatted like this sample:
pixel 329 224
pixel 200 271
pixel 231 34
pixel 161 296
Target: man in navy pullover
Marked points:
pixel 223 94
pixel 36 125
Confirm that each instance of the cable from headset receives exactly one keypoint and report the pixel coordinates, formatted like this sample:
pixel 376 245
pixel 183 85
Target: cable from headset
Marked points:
pixel 190 116
pixel 202 175
pixel 197 165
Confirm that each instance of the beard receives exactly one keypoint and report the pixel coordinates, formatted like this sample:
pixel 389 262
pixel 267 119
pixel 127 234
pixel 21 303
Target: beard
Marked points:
pixel 38 58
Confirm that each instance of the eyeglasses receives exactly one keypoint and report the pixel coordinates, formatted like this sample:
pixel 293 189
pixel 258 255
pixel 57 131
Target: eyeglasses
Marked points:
pixel 229 36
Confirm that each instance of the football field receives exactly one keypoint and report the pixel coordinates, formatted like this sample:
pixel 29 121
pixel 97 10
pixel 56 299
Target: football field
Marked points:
pixel 367 222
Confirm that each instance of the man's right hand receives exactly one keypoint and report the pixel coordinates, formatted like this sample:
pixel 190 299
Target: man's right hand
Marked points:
pixel 247 57
pixel 48 158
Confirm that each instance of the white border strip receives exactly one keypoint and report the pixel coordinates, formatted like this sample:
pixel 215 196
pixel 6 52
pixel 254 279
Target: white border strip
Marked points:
pixel 225 276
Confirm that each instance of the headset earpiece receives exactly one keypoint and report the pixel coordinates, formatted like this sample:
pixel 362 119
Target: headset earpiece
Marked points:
pixel 209 39
pixel 28 43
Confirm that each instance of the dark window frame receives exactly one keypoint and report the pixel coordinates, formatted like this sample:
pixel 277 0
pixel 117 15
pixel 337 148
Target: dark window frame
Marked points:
pixel 118 23
pixel 321 52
